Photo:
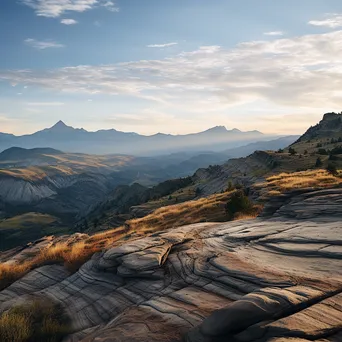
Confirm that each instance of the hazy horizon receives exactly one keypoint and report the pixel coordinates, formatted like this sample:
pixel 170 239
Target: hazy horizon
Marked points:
pixel 175 67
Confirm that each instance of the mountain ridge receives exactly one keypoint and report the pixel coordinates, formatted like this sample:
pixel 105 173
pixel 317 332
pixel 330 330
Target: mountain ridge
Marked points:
pixel 60 136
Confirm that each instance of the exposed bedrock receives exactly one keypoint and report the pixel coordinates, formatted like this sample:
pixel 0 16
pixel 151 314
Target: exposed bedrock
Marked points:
pixel 276 280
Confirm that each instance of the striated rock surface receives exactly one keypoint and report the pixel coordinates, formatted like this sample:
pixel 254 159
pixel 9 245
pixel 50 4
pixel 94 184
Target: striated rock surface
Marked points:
pixel 276 280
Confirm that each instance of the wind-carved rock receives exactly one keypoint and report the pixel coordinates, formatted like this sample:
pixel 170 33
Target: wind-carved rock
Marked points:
pixel 276 280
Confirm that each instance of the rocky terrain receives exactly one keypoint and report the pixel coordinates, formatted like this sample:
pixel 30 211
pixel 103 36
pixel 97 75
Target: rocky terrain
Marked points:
pixel 276 278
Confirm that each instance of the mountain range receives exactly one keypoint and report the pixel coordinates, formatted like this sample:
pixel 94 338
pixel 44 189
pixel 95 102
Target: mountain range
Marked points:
pixel 69 139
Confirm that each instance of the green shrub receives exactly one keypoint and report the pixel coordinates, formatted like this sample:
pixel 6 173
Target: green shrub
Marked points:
pixel 331 168
pixel 238 203
pixel 292 151
pixel 319 162
pixel 36 321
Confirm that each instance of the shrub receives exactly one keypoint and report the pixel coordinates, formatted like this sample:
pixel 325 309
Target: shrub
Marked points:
pixel 292 151
pixel 322 151
pixel 319 162
pixel 39 320
pixel 230 186
pixel 238 202
pixel 331 168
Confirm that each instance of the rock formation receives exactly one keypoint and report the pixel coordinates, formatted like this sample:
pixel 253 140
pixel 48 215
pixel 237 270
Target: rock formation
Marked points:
pixel 276 279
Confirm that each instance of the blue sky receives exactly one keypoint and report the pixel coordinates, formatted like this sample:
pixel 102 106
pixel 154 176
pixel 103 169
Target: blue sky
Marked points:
pixel 169 66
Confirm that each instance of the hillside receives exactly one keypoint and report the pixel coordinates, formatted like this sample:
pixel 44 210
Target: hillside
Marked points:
pixel 246 172
pixel 176 272
pixel 278 277
pixel 74 186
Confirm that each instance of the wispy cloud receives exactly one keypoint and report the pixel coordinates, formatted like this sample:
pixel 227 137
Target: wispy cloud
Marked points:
pixel 294 72
pixel 333 20
pixel 162 45
pixel 274 33
pixel 110 5
pixel 69 22
pixel 40 104
pixel 42 45
pixel 55 8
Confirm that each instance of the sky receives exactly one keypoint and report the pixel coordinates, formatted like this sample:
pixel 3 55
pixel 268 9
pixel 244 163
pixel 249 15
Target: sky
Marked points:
pixel 179 66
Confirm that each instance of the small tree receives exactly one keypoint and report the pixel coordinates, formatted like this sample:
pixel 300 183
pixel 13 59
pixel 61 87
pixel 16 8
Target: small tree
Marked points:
pixel 239 202
pixel 319 162
pixel 292 151
pixel 198 191
pixel 230 186
pixel 305 152
pixel 331 168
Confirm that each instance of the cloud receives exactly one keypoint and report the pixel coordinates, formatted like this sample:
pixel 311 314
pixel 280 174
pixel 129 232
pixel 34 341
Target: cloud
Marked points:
pixel 69 21
pixel 110 5
pixel 162 45
pixel 42 45
pixel 55 8
pixel 40 104
pixel 333 20
pixel 274 33
pixel 301 72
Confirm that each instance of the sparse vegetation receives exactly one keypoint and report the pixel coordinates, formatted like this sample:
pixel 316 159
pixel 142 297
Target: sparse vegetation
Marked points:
pixel 319 162
pixel 74 255
pixel 38 320
pixel 238 203
pixel 209 209
pixel 284 182
pixel 292 151
pixel 332 169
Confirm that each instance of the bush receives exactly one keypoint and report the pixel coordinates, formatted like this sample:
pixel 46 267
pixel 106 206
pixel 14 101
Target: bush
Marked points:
pixel 331 168
pixel 39 321
pixel 319 162
pixel 230 187
pixel 292 151
pixel 239 202
pixel 323 151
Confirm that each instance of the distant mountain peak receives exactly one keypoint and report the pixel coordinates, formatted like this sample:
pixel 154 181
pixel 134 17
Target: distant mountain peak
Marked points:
pixel 59 125
pixel 217 129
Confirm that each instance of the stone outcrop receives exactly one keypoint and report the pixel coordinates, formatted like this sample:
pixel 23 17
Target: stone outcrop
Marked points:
pixel 277 279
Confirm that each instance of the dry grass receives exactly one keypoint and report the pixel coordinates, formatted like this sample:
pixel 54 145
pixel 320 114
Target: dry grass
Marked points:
pixel 35 173
pixel 38 320
pixel 283 182
pixel 210 209
pixel 74 255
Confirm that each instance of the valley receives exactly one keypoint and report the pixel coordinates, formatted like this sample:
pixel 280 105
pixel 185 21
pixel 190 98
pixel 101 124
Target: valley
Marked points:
pixel 248 250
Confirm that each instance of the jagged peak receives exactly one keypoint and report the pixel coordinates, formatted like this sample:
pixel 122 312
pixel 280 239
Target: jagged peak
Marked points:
pixel 60 124
pixel 217 129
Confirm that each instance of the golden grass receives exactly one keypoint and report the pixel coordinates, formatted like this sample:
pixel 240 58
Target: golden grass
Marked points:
pixel 28 219
pixel 74 255
pixel 37 320
pixel 33 173
pixel 209 209
pixel 284 182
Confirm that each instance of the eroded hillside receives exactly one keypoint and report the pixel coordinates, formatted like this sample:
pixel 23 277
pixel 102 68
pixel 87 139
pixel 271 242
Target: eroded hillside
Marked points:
pixel 275 279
